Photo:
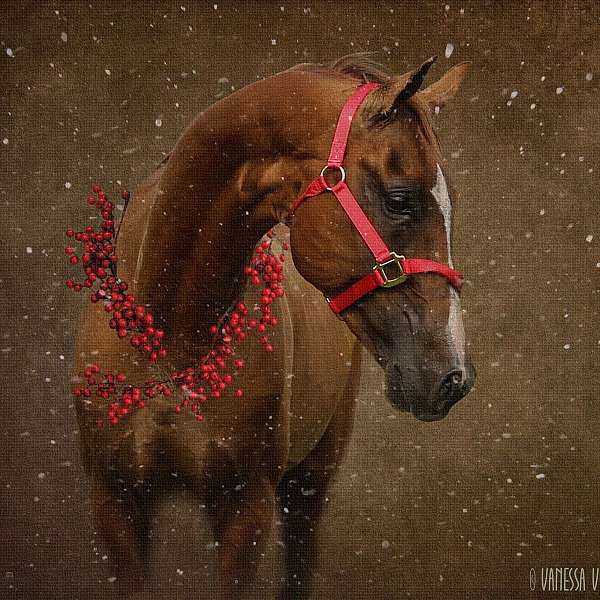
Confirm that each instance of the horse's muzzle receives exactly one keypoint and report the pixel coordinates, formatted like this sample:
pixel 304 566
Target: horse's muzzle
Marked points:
pixel 428 402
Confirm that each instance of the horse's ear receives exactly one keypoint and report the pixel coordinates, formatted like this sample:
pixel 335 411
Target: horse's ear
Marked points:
pixel 445 88
pixel 398 90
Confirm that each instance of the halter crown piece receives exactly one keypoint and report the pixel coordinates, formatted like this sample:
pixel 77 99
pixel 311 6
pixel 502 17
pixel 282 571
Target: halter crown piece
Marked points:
pixel 390 268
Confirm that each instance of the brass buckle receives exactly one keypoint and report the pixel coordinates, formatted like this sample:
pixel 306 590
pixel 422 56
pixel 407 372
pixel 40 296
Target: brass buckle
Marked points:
pixel 391 281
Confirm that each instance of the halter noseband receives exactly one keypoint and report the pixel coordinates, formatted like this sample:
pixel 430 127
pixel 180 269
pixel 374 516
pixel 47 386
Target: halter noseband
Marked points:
pixel 390 268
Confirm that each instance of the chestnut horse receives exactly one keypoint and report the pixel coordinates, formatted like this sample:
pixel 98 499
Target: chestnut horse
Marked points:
pixel 183 244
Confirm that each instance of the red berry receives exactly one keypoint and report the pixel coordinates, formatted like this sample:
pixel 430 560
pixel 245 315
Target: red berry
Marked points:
pixel 264 270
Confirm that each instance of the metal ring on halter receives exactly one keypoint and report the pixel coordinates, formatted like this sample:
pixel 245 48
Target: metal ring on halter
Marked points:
pixel 342 174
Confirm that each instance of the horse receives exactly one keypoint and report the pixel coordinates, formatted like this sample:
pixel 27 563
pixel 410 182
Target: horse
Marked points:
pixel 184 240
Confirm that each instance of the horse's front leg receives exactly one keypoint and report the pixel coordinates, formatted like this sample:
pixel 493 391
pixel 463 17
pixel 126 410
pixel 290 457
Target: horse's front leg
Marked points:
pixel 302 492
pixel 122 518
pixel 242 517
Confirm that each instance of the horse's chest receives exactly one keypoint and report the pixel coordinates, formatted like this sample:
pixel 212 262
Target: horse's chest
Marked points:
pixel 321 349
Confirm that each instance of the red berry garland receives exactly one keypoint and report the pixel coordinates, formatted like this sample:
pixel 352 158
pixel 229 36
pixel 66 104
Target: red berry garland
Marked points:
pixel 213 373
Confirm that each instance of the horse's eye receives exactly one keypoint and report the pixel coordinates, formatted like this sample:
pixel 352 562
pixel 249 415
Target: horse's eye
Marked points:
pixel 399 201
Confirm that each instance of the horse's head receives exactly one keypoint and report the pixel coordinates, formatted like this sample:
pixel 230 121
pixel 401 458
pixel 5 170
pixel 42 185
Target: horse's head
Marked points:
pixel 395 169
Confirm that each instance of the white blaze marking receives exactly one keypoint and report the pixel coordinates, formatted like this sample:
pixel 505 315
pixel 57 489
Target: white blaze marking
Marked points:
pixel 455 329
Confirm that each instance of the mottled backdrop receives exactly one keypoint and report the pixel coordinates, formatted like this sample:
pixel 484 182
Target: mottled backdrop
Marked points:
pixel 461 508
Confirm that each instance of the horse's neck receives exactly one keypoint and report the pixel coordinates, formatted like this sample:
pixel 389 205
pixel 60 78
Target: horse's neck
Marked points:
pixel 207 217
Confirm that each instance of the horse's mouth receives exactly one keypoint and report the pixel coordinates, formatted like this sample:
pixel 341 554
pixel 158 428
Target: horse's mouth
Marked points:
pixel 397 397
pixel 429 416
pixel 418 413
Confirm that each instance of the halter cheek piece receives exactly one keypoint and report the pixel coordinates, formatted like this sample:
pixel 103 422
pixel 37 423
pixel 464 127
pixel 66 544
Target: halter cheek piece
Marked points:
pixel 390 268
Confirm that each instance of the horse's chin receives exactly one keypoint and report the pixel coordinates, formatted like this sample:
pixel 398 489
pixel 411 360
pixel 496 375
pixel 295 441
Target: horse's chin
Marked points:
pixel 400 401
pixel 418 413
pixel 428 417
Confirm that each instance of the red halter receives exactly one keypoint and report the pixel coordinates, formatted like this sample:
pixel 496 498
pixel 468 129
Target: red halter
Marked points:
pixel 390 268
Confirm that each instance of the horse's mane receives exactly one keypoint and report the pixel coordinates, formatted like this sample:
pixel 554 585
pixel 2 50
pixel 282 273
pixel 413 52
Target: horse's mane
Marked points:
pixel 360 66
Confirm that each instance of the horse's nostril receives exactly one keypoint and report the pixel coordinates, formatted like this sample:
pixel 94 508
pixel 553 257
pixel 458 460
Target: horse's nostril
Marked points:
pixel 456 378
pixel 451 388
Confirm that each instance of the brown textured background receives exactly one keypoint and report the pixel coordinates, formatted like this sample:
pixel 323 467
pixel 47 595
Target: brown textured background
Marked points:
pixel 446 510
